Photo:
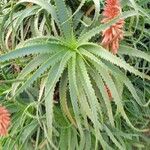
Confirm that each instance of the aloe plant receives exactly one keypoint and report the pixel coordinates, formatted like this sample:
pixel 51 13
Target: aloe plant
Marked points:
pixel 67 61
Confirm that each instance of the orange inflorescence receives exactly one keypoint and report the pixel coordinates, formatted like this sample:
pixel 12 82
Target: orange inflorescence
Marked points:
pixel 113 34
pixel 4 121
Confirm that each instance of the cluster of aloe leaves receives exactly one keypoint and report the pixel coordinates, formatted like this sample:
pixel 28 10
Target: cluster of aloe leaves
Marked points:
pixel 54 47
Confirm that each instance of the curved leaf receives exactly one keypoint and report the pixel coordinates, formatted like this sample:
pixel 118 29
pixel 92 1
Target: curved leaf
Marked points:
pixel 101 52
pixel 126 50
pixel 87 36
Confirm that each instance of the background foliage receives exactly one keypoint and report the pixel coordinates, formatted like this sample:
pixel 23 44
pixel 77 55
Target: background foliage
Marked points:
pixel 53 73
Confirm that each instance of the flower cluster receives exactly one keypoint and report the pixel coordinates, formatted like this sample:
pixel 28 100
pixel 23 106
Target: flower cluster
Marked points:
pixel 113 34
pixel 4 121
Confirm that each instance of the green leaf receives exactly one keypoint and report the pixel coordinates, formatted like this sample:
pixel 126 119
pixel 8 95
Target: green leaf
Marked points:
pixel 63 98
pixel 53 77
pixel 100 84
pixel 47 64
pixel 112 137
pixel 28 131
pixel 44 4
pixel 31 66
pixel 63 144
pixel 126 81
pixel 92 99
pixel 74 95
pixel 35 49
pixel 87 36
pixel 111 85
pixel 126 50
pixel 38 40
pixel 101 52
pixel 63 15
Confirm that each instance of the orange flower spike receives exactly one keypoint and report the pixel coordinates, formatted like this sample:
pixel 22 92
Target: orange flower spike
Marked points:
pixel 4 121
pixel 113 34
